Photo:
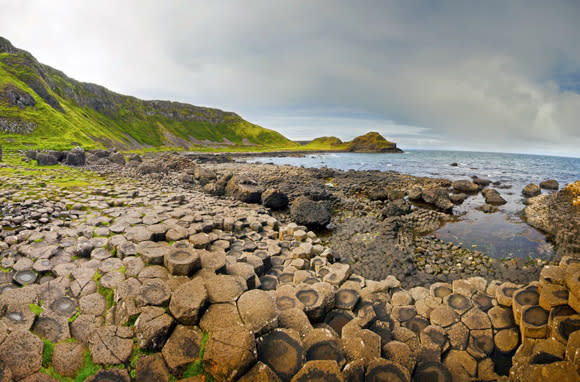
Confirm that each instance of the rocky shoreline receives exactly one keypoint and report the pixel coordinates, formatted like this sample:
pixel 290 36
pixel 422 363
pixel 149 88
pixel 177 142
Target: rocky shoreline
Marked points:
pixel 158 268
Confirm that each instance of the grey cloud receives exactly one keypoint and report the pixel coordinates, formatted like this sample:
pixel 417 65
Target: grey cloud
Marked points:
pixel 463 74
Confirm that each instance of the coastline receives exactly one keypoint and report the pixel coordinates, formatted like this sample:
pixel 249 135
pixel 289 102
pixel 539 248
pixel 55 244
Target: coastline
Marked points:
pixel 156 227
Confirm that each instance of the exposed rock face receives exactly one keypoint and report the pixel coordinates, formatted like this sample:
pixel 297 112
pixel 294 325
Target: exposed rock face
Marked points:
pixel 76 157
pixel 310 213
pixel 244 189
pixel 16 97
pixel 21 353
pixel 45 159
pixel 274 199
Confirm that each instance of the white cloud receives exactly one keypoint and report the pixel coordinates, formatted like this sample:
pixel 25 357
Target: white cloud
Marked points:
pixel 478 75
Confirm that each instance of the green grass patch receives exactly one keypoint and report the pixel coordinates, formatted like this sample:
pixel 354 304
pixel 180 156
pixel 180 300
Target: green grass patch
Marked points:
pixel 36 309
pixel 195 368
pixel 47 353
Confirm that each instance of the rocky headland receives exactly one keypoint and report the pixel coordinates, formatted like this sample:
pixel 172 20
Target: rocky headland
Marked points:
pixel 196 267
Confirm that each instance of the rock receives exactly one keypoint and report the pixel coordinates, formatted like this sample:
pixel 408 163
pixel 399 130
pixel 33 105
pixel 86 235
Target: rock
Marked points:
pixel 258 311
pixel 229 353
pixel 461 365
pixel 260 372
pixel 282 351
pixel 481 182
pixel 458 198
pixel 53 327
pixel 224 288
pixel 396 208
pixel 21 353
pixel 493 197
pixel 531 190
pixel 111 344
pixel 415 193
pixel 188 302
pixel 439 197
pixel 242 188
pixel 44 159
pixel 117 158
pixel 465 186
pixel 274 199
pixel 322 344
pixel 432 372
pixel 152 328
pixel 182 348
pixel 454 164
pixel 312 214
pixel 182 262
pixel 384 370
pixel 67 358
pixel 151 368
pixel 319 370
pixel 108 375
pixel 220 316
pixel 76 157
pixel 549 184
pixel 153 292
pixel 204 175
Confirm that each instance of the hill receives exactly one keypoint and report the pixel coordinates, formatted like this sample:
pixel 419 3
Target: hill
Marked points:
pixel 42 107
pixel 371 142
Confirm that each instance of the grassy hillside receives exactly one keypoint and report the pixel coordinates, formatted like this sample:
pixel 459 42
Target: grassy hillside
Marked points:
pixel 42 107
pixel 371 142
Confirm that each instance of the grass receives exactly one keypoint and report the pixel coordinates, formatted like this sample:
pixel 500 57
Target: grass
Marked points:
pixel 195 368
pixel 36 309
pixel 68 112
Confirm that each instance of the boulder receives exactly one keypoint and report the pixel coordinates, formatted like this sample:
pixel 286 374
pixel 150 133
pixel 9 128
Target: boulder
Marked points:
pixel 152 328
pixel 188 302
pixel 76 157
pixel 314 215
pixel 243 188
pixel 117 158
pixel 549 184
pixel 531 190
pixel 465 186
pixel 396 208
pixel 44 159
pixel 258 311
pixel 204 175
pixel 182 348
pixel 274 199
pixel 493 197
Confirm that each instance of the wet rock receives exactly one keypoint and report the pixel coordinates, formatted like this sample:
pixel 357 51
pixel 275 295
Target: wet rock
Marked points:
pixel 493 197
pixel 21 353
pixel 531 190
pixel 549 184
pixel 465 186
pixel 322 344
pixel 398 207
pixel 305 211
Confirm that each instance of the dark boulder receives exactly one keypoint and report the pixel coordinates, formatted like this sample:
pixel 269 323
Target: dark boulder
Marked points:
pixel 274 199
pixel 549 184
pixel 493 197
pixel 76 157
pixel 396 208
pixel 135 158
pixel 378 193
pixel 314 215
pixel 45 159
pixel 31 154
pixel 481 182
pixel 242 188
pixel 439 197
pixel 117 158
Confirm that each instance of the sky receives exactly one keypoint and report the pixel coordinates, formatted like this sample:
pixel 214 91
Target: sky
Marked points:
pixel 468 75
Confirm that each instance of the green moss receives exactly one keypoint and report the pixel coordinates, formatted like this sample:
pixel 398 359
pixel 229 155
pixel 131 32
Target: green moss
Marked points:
pixel 195 368
pixel 36 309
pixel 47 353
pixel 75 316
pixel 88 368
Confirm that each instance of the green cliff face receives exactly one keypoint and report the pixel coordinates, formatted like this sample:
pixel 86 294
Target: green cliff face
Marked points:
pixel 42 107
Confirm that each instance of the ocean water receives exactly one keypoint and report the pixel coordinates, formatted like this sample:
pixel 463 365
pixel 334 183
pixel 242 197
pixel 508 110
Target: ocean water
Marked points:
pixel 501 234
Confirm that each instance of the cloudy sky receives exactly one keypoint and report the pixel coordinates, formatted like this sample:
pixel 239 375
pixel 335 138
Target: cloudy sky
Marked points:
pixel 493 76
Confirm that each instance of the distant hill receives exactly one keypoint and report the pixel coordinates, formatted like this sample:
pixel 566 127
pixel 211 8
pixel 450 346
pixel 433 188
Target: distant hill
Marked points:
pixel 42 107
pixel 371 142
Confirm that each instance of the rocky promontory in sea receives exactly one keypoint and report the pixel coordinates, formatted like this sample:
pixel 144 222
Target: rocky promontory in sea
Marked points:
pixel 195 267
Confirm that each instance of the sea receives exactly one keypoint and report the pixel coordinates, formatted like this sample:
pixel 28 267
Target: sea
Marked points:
pixel 502 234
